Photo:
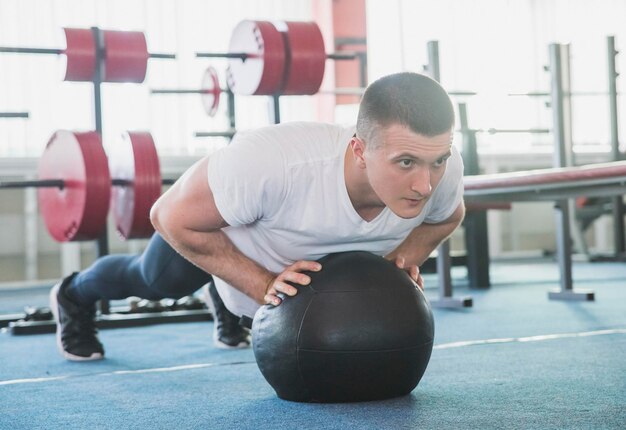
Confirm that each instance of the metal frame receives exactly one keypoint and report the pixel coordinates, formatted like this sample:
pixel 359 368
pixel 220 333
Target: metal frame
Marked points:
pixel 444 262
pixel 113 320
pixel 560 101
pixel 608 186
pixel 475 222
pixel 617 202
pixel 560 192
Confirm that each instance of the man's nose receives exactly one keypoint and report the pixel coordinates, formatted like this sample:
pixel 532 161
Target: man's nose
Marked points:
pixel 421 182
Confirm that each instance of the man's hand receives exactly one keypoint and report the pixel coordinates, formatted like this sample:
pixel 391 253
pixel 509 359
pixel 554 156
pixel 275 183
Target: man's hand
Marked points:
pixel 278 284
pixel 412 270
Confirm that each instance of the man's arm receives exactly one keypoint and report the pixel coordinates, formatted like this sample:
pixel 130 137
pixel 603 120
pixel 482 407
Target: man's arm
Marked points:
pixel 188 219
pixel 423 240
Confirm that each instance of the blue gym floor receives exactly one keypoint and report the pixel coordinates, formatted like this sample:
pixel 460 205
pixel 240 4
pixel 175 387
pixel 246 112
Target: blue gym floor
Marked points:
pixel 514 360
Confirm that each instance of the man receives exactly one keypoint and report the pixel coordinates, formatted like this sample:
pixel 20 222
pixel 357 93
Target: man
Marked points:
pixel 258 213
pixel 159 272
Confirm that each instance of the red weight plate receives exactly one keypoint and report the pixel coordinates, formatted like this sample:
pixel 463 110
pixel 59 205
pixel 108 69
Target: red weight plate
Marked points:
pixel 305 64
pixel 126 56
pixel 98 180
pixel 80 54
pixel 79 210
pixel 210 91
pixel 262 72
pixel 135 160
pixel 148 182
pixel 124 199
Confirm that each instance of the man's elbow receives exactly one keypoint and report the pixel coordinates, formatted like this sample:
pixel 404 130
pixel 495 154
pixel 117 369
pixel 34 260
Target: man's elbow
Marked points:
pixel 460 213
pixel 158 216
pixel 457 216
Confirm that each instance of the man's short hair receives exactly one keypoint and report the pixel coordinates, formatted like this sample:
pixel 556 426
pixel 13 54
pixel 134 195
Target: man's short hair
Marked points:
pixel 409 99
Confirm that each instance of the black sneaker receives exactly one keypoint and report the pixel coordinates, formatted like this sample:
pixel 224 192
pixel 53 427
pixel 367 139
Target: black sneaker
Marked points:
pixel 227 333
pixel 77 337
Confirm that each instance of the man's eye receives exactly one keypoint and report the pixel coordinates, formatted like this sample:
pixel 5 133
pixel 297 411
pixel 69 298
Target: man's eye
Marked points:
pixel 406 163
pixel 440 162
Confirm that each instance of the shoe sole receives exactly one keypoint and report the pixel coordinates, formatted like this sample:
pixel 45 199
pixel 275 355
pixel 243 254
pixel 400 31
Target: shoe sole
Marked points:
pixel 221 345
pixel 54 307
pixel 216 340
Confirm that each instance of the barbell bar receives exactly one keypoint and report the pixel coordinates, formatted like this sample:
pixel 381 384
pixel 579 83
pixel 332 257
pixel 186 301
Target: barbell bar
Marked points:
pixel 358 91
pixel 243 56
pixel 505 130
pixel 123 55
pixel 573 94
pixel 211 89
pixel 60 183
pixel 19 50
pixel 53 183
pixel 14 115
pixel 227 133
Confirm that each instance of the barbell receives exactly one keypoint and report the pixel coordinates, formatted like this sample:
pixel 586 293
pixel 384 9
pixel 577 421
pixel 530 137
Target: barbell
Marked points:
pixel 209 91
pixel 78 184
pixel 268 58
pixel 122 56
pixel 506 130
pixel 359 91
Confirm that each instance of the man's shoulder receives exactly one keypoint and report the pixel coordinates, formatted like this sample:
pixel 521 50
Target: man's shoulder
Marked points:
pixel 296 129
pixel 294 139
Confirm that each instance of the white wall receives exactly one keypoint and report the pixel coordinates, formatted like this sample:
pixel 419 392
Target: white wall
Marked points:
pixel 497 47
pixel 33 83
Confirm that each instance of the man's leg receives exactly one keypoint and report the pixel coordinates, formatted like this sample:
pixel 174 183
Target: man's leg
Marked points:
pixel 157 273
pixel 77 337
pixel 227 332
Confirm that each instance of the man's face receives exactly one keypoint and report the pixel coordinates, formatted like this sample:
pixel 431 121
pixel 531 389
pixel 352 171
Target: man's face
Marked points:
pixel 404 168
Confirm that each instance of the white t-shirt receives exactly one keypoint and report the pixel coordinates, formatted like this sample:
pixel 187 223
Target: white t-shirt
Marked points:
pixel 282 191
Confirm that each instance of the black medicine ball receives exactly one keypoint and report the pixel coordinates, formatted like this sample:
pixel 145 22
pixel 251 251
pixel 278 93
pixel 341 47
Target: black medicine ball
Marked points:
pixel 360 331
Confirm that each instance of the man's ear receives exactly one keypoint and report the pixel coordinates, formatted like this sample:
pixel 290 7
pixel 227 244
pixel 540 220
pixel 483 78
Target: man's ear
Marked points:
pixel 358 150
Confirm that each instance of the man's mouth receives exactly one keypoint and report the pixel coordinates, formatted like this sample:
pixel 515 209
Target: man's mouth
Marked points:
pixel 414 202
